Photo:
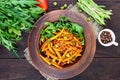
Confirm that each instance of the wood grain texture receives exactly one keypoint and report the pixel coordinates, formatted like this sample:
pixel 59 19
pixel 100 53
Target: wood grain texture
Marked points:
pixel 100 69
pixel 18 69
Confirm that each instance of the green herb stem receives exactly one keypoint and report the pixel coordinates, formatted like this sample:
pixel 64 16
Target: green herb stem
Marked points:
pixel 16 16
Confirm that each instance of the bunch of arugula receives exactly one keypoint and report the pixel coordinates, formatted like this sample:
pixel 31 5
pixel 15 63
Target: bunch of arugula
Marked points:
pixel 16 16
pixel 97 12
pixel 52 27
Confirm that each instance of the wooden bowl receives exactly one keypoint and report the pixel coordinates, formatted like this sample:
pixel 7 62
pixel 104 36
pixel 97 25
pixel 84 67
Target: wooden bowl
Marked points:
pixel 79 66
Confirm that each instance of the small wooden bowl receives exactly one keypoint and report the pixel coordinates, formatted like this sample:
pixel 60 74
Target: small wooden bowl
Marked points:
pixel 81 64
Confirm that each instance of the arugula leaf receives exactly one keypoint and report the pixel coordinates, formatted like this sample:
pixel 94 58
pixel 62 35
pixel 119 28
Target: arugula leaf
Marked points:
pixel 77 28
pixel 48 32
pixel 16 16
pixel 74 28
pixel 50 27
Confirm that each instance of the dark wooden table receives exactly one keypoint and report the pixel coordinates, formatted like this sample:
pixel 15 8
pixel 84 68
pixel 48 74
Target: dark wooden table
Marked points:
pixel 105 66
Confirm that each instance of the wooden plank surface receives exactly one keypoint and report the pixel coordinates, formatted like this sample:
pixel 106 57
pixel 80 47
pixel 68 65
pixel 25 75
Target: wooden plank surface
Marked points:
pixel 15 69
pixel 100 69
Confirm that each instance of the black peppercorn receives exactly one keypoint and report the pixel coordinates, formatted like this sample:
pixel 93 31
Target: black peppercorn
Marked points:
pixel 106 37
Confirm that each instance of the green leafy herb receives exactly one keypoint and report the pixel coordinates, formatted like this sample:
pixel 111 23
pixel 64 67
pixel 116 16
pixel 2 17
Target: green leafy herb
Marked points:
pixel 74 28
pixel 97 12
pixel 48 32
pixel 77 29
pixel 16 16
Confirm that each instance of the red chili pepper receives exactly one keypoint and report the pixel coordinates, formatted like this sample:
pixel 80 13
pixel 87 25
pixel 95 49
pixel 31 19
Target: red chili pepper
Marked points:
pixel 43 4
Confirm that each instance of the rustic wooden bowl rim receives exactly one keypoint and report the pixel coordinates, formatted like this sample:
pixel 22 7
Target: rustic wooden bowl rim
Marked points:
pixel 78 67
